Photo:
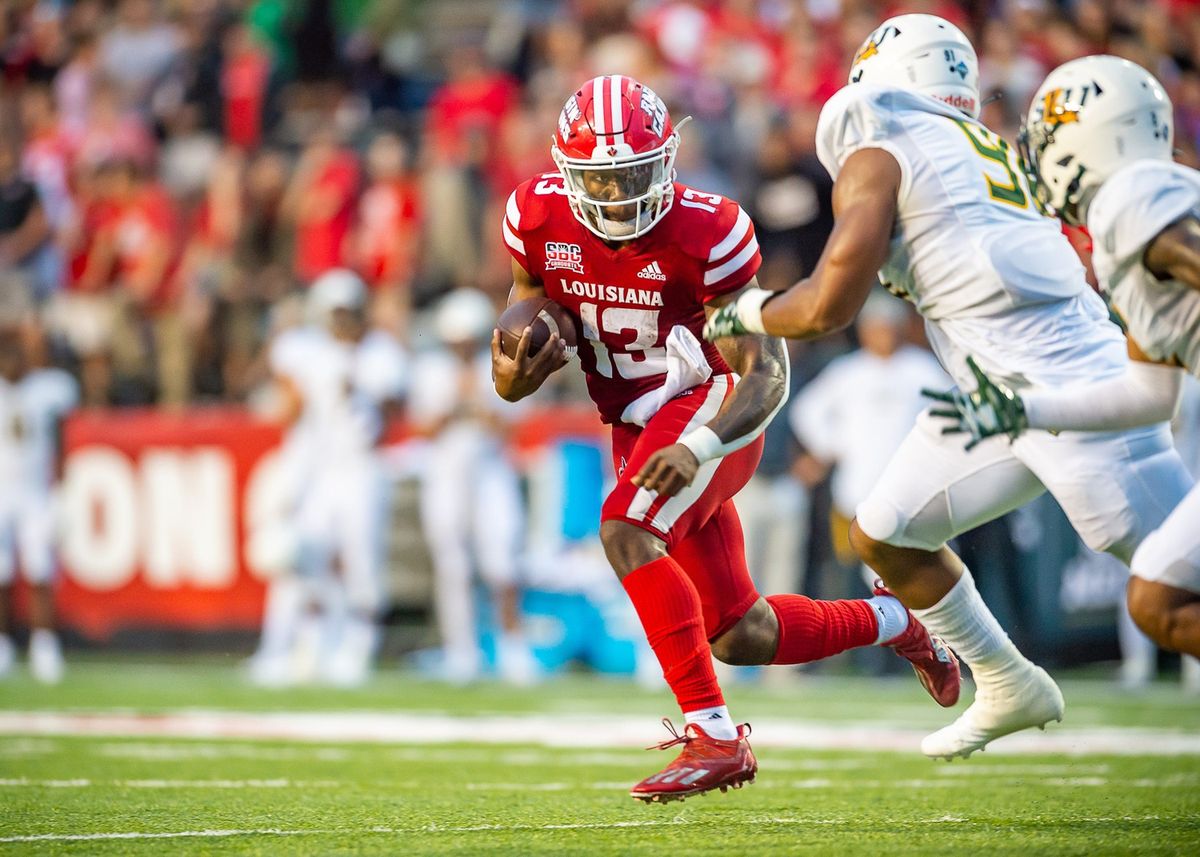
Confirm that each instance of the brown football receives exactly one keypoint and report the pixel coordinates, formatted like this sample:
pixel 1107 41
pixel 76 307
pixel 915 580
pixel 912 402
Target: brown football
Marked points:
pixel 545 317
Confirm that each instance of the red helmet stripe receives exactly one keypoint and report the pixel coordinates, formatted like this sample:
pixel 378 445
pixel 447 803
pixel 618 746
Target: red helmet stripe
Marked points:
pixel 617 126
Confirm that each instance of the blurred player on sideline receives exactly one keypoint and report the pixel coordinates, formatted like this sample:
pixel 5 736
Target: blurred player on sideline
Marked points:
pixel 34 399
pixel 471 506
pixel 640 260
pixel 339 381
pixel 934 204
pixel 855 414
pixel 1099 142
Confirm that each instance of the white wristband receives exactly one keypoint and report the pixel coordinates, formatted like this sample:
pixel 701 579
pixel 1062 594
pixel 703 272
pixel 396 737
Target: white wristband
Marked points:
pixel 749 309
pixel 704 444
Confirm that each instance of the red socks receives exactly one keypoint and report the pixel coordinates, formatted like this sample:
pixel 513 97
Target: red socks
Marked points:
pixel 669 606
pixel 810 630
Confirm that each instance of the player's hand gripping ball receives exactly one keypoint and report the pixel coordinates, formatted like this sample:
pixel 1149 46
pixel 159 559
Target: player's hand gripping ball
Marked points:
pixel 533 339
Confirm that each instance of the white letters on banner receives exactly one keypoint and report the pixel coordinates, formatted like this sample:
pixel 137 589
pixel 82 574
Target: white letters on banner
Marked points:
pixel 172 514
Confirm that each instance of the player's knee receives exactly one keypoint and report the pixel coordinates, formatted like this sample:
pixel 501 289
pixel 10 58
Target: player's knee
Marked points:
pixel 1154 612
pixel 752 641
pixel 870 550
pixel 629 547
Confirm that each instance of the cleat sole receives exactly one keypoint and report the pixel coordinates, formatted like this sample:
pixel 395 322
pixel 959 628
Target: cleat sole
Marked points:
pixel 668 797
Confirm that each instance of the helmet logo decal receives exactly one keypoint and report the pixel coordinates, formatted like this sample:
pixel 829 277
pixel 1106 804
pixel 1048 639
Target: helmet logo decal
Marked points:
pixel 653 107
pixel 871 47
pixel 569 115
pixel 960 68
pixel 1057 111
pixel 1162 130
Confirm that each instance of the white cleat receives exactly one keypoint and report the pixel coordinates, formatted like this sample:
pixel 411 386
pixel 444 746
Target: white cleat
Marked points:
pixel 1032 699
pixel 8 655
pixel 515 662
pixel 45 657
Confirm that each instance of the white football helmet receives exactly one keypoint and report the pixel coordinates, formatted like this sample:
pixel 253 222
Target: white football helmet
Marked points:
pixel 464 315
pixel 924 53
pixel 337 288
pixel 1090 117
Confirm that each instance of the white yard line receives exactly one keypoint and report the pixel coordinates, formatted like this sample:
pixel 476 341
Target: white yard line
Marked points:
pixel 24 782
pixel 561 731
pixel 168 751
pixel 753 821
pixel 1174 781
pixel 182 834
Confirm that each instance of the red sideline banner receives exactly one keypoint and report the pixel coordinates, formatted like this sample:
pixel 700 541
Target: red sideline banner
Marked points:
pixel 167 518
pixel 156 512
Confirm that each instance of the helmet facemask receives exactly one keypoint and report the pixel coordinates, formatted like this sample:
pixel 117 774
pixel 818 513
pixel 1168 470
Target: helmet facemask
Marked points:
pixel 621 198
pixel 1056 175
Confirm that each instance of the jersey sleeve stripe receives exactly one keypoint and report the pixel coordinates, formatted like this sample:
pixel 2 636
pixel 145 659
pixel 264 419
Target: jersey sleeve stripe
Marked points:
pixel 717 274
pixel 513 210
pixel 734 238
pixel 511 239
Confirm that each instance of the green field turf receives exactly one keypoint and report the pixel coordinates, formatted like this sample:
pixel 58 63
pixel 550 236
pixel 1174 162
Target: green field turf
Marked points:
pixel 239 796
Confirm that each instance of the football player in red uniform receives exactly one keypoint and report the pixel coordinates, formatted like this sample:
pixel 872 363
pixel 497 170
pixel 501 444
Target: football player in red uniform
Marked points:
pixel 639 261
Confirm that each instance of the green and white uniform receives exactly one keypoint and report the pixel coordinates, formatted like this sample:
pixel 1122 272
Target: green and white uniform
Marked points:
pixel 1134 205
pixel 996 279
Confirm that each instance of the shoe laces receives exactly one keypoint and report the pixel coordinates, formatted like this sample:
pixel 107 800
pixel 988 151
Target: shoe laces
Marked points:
pixel 689 735
pixel 676 738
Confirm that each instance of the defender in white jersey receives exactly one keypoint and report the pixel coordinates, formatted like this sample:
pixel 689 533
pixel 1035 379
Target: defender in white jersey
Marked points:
pixel 1098 141
pixel 338 379
pixel 33 401
pixel 937 204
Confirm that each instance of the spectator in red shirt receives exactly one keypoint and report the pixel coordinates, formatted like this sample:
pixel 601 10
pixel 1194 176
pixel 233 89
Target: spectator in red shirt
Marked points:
pixel 245 73
pixel 387 233
pixel 319 203
pixel 464 118
pixel 85 314
pixel 124 271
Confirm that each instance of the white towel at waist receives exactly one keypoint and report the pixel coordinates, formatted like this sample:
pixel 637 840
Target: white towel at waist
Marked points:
pixel 687 367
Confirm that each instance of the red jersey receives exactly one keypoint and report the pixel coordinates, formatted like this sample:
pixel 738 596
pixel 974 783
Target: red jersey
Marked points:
pixel 147 219
pixel 319 239
pixel 628 295
pixel 386 210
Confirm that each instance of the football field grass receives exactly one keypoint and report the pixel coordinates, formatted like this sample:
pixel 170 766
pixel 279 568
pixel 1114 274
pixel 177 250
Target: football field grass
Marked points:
pixel 157 757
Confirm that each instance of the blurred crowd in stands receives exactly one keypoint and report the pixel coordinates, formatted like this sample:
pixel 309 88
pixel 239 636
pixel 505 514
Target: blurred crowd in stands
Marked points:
pixel 173 171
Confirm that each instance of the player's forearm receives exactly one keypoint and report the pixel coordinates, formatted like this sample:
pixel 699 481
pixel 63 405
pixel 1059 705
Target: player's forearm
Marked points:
pixel 763 389
pixel 802 312
pixel 1146 393
pixel 1175 253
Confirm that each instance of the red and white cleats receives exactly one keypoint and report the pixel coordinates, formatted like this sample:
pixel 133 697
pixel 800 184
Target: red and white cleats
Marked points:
pixel 935 665
pixel 705 764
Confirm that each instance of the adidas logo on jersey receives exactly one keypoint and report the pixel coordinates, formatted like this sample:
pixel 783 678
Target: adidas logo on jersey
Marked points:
pixel 652 272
